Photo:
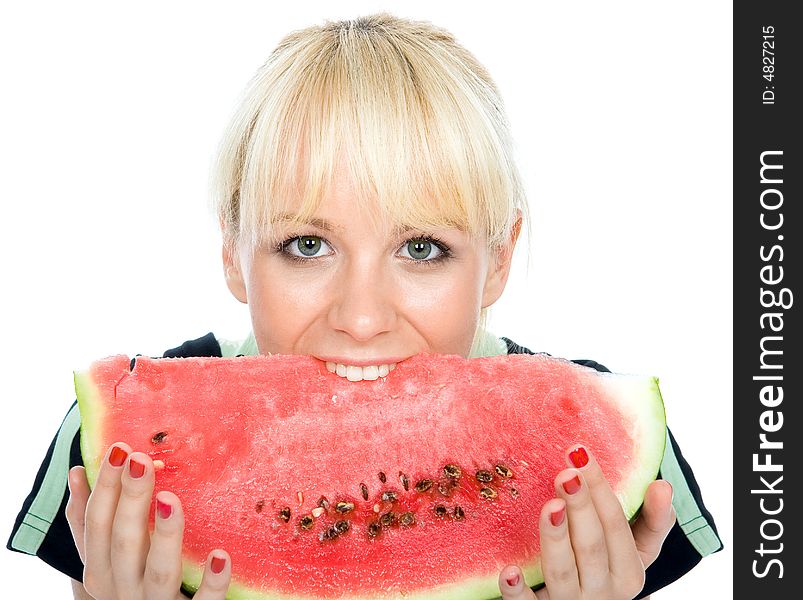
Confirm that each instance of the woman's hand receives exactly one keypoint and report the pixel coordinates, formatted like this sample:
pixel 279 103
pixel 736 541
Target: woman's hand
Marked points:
pixel 122 557
pixel 588 549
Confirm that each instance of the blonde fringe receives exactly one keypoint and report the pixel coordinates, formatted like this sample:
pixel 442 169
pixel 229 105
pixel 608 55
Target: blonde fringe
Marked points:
pixel 417 118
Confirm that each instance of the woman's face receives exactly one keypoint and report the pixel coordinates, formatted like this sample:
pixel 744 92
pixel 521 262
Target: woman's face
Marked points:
pixel 363 298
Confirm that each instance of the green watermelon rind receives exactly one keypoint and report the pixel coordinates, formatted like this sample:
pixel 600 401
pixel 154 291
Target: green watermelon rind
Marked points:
pixel 91 409
pixel 636 396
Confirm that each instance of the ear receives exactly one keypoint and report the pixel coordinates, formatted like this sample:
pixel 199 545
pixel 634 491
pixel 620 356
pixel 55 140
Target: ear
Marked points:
pixel 499 265
pixel 233 271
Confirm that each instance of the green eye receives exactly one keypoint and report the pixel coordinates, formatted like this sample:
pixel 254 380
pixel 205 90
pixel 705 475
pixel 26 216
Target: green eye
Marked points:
pixel 419 249
pixel 308 245
pixel 305 248
pixel 425 250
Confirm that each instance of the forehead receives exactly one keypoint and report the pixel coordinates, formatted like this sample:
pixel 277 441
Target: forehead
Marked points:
pixel 345 194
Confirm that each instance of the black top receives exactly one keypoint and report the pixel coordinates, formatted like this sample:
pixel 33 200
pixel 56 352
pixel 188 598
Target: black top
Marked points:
pixel 41 526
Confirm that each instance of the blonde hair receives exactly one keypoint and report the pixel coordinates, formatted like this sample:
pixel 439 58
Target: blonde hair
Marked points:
pixel 416 117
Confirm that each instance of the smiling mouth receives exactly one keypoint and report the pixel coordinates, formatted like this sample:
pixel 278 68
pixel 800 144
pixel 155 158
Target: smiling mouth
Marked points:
pixel 354 373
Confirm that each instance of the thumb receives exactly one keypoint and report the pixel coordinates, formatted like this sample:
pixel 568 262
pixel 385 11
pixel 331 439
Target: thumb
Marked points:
pixel 76 506
pixel 512 585
pixel 216 577
pixel 656 519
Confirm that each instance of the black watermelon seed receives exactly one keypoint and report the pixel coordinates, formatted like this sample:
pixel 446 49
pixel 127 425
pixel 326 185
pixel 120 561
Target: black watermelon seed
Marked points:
pixel 423 485
pixel 364 491
pixel 503 471
pixel 284 514
pixel 484 476
pixel 387 519
pixel 390 496
pixel 341 526
pixel 459 513
pixel 452 471
pixel 382 477
pixel 158 438
pixel 407 519
pixel 488 493
pixel 440 510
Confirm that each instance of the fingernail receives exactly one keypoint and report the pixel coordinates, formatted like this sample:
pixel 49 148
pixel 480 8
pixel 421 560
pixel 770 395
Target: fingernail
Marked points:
pixel 513 581
pixel 117 456
pixel 136 469
pixel 218 564
pixel 579 457
pixel 557 516
pixel 163 509
pixel 573 485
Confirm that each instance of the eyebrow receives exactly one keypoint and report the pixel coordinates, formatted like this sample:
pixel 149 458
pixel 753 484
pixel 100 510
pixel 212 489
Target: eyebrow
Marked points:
pixel 315 222
pixel 328 226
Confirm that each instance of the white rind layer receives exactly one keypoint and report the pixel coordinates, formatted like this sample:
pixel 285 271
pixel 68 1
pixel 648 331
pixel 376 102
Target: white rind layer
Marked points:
pixel 640 398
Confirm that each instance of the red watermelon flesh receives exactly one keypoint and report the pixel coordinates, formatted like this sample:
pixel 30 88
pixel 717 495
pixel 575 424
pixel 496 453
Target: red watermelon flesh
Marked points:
pixel 439 470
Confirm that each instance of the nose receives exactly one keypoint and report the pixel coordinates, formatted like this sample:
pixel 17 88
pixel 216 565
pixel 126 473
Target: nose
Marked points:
pixel 364 303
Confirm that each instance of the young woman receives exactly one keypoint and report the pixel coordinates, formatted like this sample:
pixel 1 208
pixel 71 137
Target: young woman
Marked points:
pixel 369 205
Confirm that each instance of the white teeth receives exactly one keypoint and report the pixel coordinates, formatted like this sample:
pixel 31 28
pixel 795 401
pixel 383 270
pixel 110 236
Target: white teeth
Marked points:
pixel 353 373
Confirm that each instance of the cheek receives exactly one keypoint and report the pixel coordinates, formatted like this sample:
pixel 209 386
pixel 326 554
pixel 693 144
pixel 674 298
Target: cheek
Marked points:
pixel 446 309
pixel 458 294
pixel 282 304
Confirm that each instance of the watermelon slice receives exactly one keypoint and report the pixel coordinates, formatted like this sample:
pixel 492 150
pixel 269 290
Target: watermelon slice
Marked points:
pixel 421 484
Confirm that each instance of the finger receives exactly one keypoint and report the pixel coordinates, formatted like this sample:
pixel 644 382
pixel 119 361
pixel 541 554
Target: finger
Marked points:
pixel 130 534
pixel 99 521
pixel 655 521
pixel 512 585
pixel 557 557
pixel 76 507
pixel 585 531
pixel 163 565
pixel 216 577
pixel 624 560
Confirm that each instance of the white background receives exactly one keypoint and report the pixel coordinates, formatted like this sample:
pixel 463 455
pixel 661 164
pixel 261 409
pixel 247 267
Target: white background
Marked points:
pixel 622 114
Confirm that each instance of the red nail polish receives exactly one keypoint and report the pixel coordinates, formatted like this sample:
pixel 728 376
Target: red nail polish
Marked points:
pixel 218 564
pixel 163 509
pixel 136 469
pixel 513 581
pixel 572 486
pixel 556 518
pixel 117 456
pixel 579 457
